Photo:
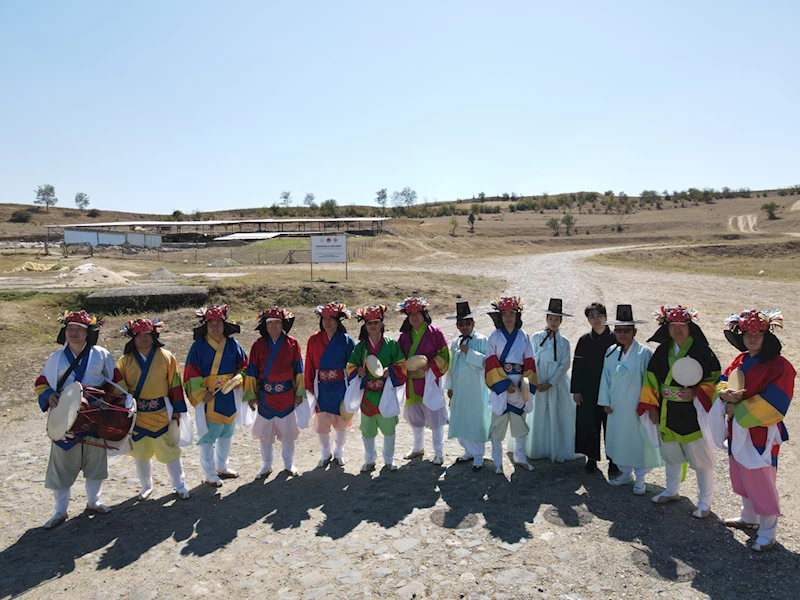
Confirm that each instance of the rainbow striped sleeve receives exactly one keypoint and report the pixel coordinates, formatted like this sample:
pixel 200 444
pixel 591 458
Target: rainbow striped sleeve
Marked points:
pixel 706 389
pixel 650 397
pixel 193 381
pixel 529 371
pixel 356 359
pixel 175 393
pixel 441 361
pixel 496 378
pixel 43 391
pixel 768 407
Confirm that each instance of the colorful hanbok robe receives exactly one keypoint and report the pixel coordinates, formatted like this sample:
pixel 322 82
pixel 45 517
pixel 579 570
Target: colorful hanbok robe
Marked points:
pixel 627 442
pixel 552 421
pixel 274 376
pixel 428 341
pixel 325 376
pixel 509 358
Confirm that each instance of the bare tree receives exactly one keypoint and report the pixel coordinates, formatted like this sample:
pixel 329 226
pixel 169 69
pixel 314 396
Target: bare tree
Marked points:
pixel 286 199
pixel 309 200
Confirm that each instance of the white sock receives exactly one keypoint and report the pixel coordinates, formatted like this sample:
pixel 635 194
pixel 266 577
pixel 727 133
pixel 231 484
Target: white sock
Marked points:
pixel 419 438
pixel 206 452
pixel 705 489
pixel 175 470
pixel 222 454
pixel 370 453
pixel 325 445
pixel 267 453
pixel 673 474
pixel 388 449
pixel 145 472
pixel 767 526
pixel 94 487
pixel 497 453
pixel 748 514
pixel 438 441
pixel 338 444
pixel 61 497
pixel 287 452
pixel 519 450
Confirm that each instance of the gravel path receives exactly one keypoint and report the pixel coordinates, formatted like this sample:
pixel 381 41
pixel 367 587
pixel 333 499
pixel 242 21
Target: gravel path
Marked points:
pixel 420 532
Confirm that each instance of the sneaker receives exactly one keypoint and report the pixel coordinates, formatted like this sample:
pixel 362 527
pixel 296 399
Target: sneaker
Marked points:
pixel 526 466
pixel 339 460
pixel 622 480
pixel 390 467
pixel 701 513
pixel 145 493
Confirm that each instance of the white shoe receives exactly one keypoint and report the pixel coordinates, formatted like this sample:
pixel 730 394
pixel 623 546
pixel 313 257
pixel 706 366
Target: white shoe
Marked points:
pixel 227 474
pixel 701 513
pixel 291 471
pixel 622 480
pixel 99 508
pixel 54 521
pixel 438 460
pixel 464 457
pixel 145 493
pixel 323 462
pixel 183 493
pixel 663 498
pixel 214 481
pixel 640 488
pixel 339 460
pixel 367 467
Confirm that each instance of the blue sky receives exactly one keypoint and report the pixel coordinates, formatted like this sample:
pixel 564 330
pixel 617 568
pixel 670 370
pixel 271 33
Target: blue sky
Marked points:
pixel 157 106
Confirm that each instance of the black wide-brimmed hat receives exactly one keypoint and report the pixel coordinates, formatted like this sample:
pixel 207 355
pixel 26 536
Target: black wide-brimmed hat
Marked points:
pixel 555 308
pixel 624 316
pixel 463 311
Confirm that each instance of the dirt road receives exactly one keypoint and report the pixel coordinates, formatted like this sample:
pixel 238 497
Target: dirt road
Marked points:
pixel 423 531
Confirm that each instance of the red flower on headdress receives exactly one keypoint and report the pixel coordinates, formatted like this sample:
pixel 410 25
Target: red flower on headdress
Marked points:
pixel 337 310
pixel 216 312
pixel 81 317
pixel 755 321
pixel 140 325
pixel 675 314
pixel 509 303
pixel 371 313
pixel 275 313
pixel 412 305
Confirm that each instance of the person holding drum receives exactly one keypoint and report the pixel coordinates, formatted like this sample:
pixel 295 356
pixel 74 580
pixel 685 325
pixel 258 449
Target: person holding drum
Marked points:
pixel 378 363
pixel 327 352
pixel 274 386
pixel 427 358
pixel 469 397
pixel 757 388
pixel 214 360
pixel 552 421
pixel 153 376
pixel 511 378
pixel 81 360
pixel 678 401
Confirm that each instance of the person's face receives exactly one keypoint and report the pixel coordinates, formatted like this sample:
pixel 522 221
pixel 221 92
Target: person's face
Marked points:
pixel 679 332
pixel 374 329
pixel 553 322
pixel 465 326
pixel 754 342
pixel 624 335
pixel 596 319
pixel 143 342
pixel 274 329
pixel 416 319
pixel 330 325
pixel 216 329
pixel 509 319
pixel 76 335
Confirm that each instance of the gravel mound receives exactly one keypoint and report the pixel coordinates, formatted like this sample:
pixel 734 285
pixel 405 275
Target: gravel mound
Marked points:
pixel 161 273
pixel 223 262
pixel 92 275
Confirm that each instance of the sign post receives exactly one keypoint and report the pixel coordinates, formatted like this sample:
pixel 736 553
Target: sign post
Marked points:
pixel 329 249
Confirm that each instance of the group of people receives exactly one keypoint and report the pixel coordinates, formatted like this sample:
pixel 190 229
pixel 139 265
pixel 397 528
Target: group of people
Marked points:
pixel 511 385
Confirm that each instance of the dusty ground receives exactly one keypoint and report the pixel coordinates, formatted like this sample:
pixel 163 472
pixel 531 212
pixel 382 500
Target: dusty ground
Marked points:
pixel 422 531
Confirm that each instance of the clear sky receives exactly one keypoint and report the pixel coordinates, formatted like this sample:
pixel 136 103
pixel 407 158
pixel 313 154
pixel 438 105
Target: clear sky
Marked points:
pixel 154 106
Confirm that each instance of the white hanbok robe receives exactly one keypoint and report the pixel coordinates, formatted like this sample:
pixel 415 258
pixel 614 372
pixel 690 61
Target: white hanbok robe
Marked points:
pixel 552 421
pixel 627 442
pixel 469 408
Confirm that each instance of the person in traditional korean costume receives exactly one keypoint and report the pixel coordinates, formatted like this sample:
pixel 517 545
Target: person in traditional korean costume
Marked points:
pixel 419 337
pixel 587 367
pixel 80 359
pixel 373 342
pixel 624 369
pixel 214 358
pixel 552 422
pixel 755 427
pixel 679 411
pixel 509 363
pixel 326 358
pixel 153 376
pixel 469 397
pixel 274 386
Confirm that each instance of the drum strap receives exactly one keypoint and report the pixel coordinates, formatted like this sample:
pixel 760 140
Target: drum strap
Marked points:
pixel 71 367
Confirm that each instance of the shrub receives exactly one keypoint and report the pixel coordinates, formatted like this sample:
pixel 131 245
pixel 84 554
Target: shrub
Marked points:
pixel 20 216
pixel 94 213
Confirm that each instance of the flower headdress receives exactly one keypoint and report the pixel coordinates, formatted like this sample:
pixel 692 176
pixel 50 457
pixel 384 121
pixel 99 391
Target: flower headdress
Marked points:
pixel 337 310
pixel 140 325
pixel 79 317
pixel 754 321
pixel 509 303
pixel 371 313
pixel 274 313
pixel 412 305
pixel 675 314
pixel 215 312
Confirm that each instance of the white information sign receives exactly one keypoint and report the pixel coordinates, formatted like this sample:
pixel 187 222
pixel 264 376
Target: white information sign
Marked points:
pixel 329 248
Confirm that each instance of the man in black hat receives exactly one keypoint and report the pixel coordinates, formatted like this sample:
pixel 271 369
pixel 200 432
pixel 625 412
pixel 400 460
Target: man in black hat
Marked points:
pixel 469 397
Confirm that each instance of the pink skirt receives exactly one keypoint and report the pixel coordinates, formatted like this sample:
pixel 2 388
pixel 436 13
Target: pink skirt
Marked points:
pixel 758 485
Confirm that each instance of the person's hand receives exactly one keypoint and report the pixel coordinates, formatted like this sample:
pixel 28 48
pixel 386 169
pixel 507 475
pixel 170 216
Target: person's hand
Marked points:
pixel 685 393
pixel 386 373
pixel 543 387
pixel 252 404
pixel 208 398
pixel 298 400
pixel 608 410
pixel 732 397
pixel 729 409
pixel 464 348
pixel 362 372
pixel 578 398
pixel 449 394
pixel 511 389
pixel 653 414
pixel 53 399
pixel 176 416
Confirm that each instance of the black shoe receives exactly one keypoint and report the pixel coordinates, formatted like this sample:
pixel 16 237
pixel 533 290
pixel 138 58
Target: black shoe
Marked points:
pixel 590 466
pixel 613 470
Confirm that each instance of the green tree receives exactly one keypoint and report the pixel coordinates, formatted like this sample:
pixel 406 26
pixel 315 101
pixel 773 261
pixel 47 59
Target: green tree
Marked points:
pixel 471 221
pixel 569 222
pixel 405 197
pixel 453 225
pixel 482 196
pixel 554 224
pixel 309 200
pixel 81 201
pixel 46 195
pixel 381 197
pixel 286 199
pixel 770 208
pixel 329 207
